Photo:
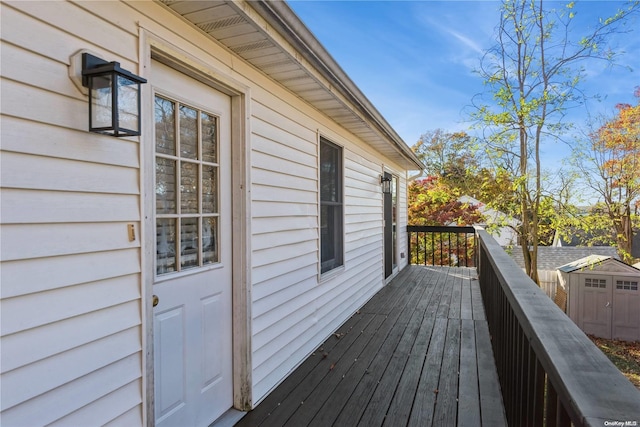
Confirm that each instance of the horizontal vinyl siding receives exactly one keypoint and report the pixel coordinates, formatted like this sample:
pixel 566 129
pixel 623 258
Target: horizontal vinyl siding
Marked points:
pixel 71 285
pixel 402 222
pixel 284 238
pixel 293 311
pixel 66 257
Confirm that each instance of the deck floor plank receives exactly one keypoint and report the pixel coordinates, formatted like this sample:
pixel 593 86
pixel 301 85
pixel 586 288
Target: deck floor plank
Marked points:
pixel 335 399
pixel 281 393
pixel 417 354
pixel 363 393
pixel 468 402
pixel 446 401
pixel 425 398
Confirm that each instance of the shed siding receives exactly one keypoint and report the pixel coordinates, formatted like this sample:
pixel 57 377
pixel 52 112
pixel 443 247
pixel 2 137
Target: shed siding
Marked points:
pixel 71 279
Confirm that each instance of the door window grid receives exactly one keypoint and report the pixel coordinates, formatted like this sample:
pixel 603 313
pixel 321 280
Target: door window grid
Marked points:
pixel 186 186
pixel 595 283
pixel 627 285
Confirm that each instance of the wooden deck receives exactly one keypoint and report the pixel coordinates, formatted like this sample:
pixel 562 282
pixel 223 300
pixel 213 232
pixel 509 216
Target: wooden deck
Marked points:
pixel 417 354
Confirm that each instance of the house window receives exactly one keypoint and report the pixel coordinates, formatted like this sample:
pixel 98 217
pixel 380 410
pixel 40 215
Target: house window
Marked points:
pixel 595 283
pixel 331 206
pixel 186 175
pixel 627 285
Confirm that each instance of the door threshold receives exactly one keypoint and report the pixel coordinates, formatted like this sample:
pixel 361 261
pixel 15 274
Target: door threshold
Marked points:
pixel 228 419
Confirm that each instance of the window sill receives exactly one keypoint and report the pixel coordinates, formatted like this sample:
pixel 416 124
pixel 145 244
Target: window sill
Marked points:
pixel 328 275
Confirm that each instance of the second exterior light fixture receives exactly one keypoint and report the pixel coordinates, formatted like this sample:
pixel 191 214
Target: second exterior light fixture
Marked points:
pixel 385 181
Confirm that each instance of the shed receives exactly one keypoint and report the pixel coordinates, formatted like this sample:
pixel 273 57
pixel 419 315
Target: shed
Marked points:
pixel 603 296
pixel 552 257
pixel 175 276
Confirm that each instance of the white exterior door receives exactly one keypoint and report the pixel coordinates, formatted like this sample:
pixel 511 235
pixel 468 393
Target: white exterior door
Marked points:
pixel 595 304
pixel 193 317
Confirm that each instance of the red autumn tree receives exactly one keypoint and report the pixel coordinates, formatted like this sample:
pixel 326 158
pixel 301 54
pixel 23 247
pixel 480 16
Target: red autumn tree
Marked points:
pixel 612 168
pixel 432 202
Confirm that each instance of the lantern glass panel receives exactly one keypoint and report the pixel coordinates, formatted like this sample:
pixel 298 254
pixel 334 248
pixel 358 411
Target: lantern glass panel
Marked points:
pixel 102 101
pixel 386 186
pixel 128 111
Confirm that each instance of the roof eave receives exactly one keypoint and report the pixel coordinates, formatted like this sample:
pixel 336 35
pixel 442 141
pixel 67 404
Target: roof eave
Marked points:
pixel 281 17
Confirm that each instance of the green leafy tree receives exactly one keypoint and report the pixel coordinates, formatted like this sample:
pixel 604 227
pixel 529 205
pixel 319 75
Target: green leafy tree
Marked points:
pixel 453 157
pixel 533 75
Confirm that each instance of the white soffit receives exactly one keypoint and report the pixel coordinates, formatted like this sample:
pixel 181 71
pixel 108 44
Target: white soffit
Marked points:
pixel 269 35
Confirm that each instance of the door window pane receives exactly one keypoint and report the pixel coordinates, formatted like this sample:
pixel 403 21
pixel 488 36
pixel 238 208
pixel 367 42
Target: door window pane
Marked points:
pixel 165 126
pixel 165 186
pixel 209 189
pixel 188 132
pixel 209 138
pixel 209 240
pixel 187 187
pixel 189 243
pixel 165 245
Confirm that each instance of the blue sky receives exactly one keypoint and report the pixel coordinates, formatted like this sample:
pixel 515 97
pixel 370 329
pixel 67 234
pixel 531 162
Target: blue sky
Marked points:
pixel 414 60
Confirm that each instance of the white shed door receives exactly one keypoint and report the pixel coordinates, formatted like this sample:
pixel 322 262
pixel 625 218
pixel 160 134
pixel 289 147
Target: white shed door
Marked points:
pixel 595 304
pixel 626 308
pixel 192 321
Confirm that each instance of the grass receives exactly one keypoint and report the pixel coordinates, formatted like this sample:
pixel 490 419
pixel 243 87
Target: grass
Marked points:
pixel 625 355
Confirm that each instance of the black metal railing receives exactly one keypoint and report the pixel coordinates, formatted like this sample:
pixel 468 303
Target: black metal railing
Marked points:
pixel 442 245
pixel 551 374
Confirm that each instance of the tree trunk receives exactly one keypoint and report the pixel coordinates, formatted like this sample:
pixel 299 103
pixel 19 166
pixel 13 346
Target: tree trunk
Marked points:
pixel 624 236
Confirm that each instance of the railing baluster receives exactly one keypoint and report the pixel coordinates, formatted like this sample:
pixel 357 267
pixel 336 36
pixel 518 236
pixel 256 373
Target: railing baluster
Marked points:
pixel 538 392
pixel 442 244
pixel 535 348
pixel 551 402
pixel 433 251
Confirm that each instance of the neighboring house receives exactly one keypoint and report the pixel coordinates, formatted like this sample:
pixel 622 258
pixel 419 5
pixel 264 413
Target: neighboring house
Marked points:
pixel 498 224
pixel 169 277
pixel 602 296
pixel 583 238
pixel 550 258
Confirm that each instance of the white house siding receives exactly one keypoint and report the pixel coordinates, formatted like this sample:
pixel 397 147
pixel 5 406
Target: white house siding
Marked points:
pixel 72 282
pixel 403 220
pixel 71 315
pixel 293 312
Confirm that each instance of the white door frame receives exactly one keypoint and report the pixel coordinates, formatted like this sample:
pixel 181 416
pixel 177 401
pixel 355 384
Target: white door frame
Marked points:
pixel 153 46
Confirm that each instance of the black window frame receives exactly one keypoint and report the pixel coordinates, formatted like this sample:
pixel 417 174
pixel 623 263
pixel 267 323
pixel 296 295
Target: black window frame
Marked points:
pixel 331 178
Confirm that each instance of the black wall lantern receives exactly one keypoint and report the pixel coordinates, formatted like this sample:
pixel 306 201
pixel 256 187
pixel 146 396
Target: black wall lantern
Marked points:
pixel 114 97
pixel 385 181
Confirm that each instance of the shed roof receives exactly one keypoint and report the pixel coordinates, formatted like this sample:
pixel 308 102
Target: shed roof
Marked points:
pixel 271 37
pixel 583 262
pixel 595 261
pixel 551 258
